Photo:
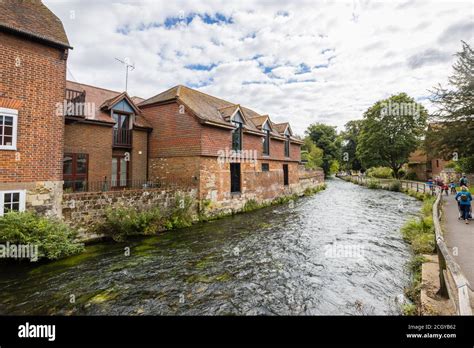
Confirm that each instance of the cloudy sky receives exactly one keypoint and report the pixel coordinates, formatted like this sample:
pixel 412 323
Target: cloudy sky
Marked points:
pixel 303 61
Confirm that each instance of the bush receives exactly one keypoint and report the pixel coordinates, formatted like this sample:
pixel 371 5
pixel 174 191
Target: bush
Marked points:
pixel 395 186
pixel 123 222
pixel 54 238
pixel 379 172
pixel 180 214
pixel 373 184
pixel 250 205
pixel 411 176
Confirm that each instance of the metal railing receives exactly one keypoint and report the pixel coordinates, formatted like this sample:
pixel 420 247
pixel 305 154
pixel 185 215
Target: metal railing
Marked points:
pixel 78 99
pixel 449 269
pixel 407 184
pixel 79 186
pixel 122 137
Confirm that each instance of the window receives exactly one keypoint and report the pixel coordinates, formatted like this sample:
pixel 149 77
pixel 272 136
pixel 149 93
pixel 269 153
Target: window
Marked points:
pixel 266 139
pixel 237 121
pixel 122 132
pixel 235 177
pixel 8 128
pixel 287 146
pixel 265 167
pixel 12 201
pixel 75 167
pixel 285 175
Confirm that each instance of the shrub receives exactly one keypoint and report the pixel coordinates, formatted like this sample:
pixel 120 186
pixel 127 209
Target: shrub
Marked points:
pixel 180 214
pixel 54 238
pixel 250 205
pixel 411 176
pixel 123 222
pixel 373 184
pixel 379 172
pixel 395 186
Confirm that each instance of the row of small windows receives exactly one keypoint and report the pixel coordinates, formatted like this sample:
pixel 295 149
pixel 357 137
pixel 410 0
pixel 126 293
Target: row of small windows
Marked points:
pixel 237 135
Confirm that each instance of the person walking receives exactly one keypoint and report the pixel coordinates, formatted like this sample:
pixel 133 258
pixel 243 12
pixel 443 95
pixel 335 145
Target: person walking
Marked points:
pixel 463 181
pixel 464 199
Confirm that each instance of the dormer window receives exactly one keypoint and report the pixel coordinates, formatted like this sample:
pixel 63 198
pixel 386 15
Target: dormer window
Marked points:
pixel 238 122
pixel 266 140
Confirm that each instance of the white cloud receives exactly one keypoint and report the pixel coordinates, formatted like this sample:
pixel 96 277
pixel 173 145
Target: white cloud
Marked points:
pixel 304 61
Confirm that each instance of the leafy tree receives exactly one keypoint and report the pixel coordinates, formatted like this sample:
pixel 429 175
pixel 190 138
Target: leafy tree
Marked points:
pixel 349 136
pixel 451 133
pixel 390 131
pixel 312 154
pixel 325 137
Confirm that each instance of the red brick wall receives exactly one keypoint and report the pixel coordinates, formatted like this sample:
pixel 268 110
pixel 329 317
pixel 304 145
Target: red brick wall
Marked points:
pixel 139 156
pixel 38 83
pixel 94 140
pixel 178 170
pixel 174 133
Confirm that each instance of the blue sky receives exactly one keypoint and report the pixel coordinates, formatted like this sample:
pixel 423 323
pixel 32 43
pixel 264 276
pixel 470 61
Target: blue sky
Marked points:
pixel 302 61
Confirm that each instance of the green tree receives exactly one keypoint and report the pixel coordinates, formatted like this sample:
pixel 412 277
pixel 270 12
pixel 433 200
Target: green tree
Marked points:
pixel 451 133
pixel 312 154
pixel 325 137
pixel 349 136
pixel 391 130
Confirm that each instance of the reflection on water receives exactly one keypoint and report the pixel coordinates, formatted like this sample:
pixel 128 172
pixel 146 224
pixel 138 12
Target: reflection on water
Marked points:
pixel 338 252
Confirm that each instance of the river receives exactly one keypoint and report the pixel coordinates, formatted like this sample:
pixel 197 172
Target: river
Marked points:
pixel 339 252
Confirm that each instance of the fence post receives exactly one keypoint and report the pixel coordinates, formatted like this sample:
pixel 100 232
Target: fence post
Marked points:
pixel 443 290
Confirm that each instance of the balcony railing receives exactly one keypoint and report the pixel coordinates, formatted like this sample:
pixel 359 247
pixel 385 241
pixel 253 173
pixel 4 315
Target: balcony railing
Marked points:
pixel 122 137
pixel 77 99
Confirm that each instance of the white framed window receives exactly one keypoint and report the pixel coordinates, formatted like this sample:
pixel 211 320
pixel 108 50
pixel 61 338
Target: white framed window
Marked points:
pixel 8 128
pixel 12 201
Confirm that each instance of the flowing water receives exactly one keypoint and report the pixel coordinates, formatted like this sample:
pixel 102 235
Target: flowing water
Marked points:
pixel 338 252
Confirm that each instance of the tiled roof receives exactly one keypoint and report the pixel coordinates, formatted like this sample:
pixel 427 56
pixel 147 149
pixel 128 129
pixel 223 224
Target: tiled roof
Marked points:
pixel 33 19
pixel 104 98
pixel 209 108
pixel 281 127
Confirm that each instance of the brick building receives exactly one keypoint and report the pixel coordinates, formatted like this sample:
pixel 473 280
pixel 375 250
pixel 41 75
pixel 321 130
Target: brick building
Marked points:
pixel 33 55
pixel 61 136
pixel 425 167
pixel 228 152
pixel 106 140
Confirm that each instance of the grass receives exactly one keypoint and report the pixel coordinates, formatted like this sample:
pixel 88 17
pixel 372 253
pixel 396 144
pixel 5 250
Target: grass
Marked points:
pixel 419 233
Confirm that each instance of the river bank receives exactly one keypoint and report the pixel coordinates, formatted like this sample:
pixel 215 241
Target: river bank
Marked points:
pixel 424 265
pixel 337 253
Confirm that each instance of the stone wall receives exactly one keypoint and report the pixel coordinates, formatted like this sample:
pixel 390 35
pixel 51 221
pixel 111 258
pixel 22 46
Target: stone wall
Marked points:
pixel 256 185
pixel 86 210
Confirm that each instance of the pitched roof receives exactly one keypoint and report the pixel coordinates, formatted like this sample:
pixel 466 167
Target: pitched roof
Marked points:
pixel 103 99
pixel 218 111
pixel 281 127
pixel 33 19
pixel 210 108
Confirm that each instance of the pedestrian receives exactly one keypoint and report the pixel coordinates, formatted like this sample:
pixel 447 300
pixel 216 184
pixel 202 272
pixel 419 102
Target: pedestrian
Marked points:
pixel 463 181
pixel 464 199
pixel 452 185
pixel 445 188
